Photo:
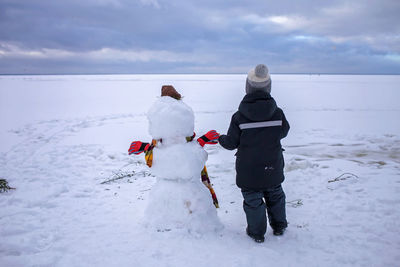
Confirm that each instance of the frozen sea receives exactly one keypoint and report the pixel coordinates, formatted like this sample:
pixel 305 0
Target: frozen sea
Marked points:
pixel 62 136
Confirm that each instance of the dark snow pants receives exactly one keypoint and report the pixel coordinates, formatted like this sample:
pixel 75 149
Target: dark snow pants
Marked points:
pixel 254 207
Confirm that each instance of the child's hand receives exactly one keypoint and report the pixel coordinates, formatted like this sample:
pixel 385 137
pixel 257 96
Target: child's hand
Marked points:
pixel 210 137
pixel 138 147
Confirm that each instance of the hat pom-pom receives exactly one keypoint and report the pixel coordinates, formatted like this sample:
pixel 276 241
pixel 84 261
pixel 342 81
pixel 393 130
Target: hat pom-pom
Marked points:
pixel 261 71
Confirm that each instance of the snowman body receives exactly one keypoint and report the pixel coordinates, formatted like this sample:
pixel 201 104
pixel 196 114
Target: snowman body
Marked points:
pixel 178 199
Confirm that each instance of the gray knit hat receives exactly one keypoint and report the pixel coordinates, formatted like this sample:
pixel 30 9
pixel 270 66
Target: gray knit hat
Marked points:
pixel 258 79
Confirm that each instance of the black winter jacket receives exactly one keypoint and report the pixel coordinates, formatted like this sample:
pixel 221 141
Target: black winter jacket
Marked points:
pixel 256 131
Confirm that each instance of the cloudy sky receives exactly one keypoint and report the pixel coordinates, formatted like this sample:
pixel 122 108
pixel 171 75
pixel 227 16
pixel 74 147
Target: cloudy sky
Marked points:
pixel 191 36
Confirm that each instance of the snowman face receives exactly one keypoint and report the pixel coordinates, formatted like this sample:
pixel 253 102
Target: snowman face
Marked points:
pixel 170 118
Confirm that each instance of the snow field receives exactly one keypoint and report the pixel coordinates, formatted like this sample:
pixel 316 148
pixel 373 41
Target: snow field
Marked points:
pixel 63 136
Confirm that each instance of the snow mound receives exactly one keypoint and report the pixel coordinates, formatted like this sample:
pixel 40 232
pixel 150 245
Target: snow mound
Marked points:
pixel 298 163
pixel 184 206
pixel 170 118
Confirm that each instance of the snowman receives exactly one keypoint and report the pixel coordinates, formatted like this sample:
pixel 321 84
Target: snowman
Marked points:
pixel 178 199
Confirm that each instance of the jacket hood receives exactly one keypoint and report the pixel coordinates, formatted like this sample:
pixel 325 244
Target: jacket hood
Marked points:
pixel 258 106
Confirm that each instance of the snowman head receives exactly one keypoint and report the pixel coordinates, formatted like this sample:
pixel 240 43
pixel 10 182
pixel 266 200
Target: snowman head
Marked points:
pixel 170 118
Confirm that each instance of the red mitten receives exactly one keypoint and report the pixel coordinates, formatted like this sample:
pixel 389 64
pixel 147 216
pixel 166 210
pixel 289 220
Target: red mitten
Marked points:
pixel 138 147
pixel 210 137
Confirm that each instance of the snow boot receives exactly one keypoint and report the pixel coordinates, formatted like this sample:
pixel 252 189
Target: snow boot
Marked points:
pixel 279 232
pixel 257 239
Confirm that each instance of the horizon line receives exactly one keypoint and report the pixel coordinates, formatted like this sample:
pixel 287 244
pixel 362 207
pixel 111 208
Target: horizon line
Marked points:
pixel 277 73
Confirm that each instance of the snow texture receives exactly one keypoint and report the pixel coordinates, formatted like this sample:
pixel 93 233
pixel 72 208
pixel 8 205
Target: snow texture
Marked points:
pixel 80 200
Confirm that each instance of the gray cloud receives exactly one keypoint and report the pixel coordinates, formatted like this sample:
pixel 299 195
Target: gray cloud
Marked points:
pixel 44 36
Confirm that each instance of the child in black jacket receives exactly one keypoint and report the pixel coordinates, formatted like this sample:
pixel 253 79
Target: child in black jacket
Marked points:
pixel 256 130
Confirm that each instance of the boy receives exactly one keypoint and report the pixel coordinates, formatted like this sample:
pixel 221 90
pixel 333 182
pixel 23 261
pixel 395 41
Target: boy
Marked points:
pixel 256 130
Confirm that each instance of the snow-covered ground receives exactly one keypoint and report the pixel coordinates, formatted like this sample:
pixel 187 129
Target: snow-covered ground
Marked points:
pixel 62 136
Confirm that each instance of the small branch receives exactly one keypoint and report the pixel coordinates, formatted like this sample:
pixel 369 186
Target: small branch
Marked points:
pixel 145 190
pixel 295 203
pixel 118 176
pixel 4 187
pixel 341 178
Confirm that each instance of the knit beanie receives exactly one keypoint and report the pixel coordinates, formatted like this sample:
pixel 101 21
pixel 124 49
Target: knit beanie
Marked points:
pixel 258 79
pixel 169 90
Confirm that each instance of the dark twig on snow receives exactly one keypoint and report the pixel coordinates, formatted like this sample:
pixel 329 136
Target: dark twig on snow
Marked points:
pixel 4 187
pixel 295 203
pixel 144 190
pixel 118 176
pixel 343 177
